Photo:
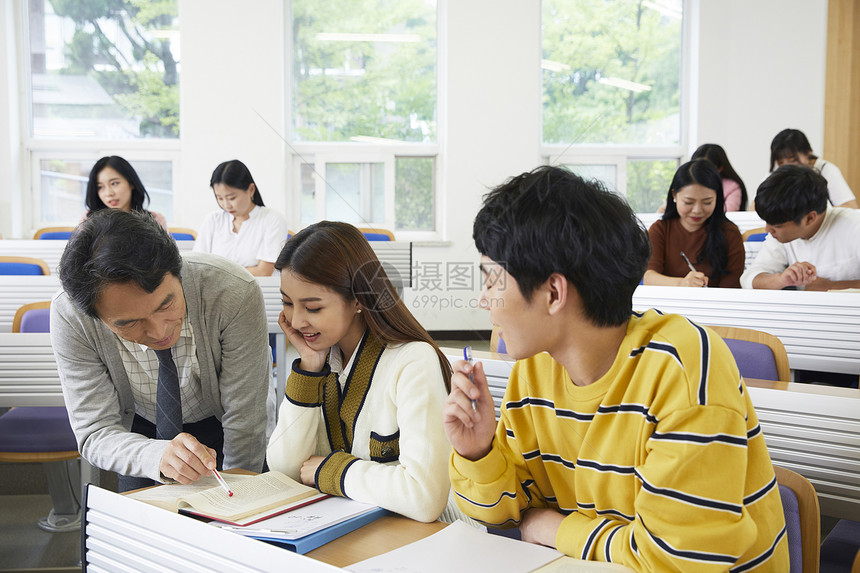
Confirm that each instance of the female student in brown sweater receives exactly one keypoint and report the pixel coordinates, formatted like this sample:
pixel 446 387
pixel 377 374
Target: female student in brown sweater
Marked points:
pixel 695 224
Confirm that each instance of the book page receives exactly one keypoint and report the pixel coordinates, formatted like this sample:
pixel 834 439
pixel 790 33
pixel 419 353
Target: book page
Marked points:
pixel 167 496
pixel 251 496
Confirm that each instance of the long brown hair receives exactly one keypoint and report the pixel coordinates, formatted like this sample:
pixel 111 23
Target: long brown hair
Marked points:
pixel 337 256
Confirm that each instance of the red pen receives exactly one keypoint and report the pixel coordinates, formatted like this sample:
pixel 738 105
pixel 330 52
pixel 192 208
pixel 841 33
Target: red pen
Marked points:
pixel 222 482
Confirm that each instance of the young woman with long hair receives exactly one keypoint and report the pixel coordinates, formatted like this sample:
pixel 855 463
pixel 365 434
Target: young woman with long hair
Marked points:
pixel 694 244
pixel 362 416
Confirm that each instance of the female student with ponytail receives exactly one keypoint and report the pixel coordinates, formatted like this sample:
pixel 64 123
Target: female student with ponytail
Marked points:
pixel 362 416
pixel 243 230
pixel 695 224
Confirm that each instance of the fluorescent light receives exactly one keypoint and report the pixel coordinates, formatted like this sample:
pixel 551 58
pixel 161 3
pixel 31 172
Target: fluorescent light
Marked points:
pixel 554 66
pixel 343 37
pixel 625 84
pixel 671 10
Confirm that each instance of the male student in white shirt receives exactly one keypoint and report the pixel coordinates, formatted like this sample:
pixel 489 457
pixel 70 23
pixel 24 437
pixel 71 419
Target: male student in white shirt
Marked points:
pixel 811 245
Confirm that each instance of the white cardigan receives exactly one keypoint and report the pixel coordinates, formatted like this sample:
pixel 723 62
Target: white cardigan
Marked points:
pixel 406 394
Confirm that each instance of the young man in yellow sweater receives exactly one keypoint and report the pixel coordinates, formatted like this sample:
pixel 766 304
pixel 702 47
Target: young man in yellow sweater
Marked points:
pixel 625 437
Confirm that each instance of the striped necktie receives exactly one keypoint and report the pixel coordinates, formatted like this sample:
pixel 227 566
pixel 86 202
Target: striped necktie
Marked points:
pixel 168 415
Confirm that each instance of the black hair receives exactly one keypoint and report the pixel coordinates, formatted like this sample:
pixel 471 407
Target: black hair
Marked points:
pixel 715 249
pixel 550 220
pixel 717 155
pixel 113 246
pixel 787 144
pixel 236 174
pixel 139 196
pixel 790 193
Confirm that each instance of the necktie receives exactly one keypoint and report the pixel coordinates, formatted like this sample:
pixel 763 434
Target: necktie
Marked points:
pixel 168 415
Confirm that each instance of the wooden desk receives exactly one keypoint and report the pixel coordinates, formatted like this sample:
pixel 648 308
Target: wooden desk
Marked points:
pixel 381 536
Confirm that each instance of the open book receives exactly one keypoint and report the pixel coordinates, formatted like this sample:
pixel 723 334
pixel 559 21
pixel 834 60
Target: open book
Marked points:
pixel 254 497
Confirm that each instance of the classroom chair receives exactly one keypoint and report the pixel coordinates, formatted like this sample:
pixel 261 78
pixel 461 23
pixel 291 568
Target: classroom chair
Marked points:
pixel 497 343
pixel 840 552
pixel 376 234
pixel 755 235
pixel 23 266
pixel 183 234
pixel 44 435
pixel 802 520
pixel 54 233
pixel 758 354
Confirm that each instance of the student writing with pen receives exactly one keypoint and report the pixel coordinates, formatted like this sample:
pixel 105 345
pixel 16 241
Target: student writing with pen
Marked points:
pixel 695 224
pixel 625 437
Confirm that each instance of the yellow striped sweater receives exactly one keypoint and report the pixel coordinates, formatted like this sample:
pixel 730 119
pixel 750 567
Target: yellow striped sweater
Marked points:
pixel 660 465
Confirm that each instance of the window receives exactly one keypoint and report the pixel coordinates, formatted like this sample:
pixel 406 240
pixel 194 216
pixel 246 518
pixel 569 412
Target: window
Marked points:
pixel 364 112
pixel 104 80
pixel 612 98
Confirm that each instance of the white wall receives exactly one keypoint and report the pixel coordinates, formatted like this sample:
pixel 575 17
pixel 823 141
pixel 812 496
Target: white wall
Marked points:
pixel 231 85
pixel 760 68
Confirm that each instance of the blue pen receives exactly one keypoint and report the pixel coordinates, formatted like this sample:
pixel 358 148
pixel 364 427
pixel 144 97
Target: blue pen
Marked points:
pixel 467 356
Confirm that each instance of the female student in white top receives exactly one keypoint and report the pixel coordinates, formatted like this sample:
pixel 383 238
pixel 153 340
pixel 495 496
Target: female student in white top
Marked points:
pixel 114 184
pixel 243 230
pixel 362 416
pixel 792 146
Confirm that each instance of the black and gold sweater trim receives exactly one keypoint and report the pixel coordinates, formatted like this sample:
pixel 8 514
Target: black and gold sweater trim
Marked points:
pixel 305 388
pixel 331 473
pixel 340 410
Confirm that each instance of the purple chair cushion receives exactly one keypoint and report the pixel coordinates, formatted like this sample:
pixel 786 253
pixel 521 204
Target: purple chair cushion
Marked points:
pixel 791 509
pixel 500 347
pixel 36 320
pixel 8 268
pixel 32 429
pixel 55 236
pixel 754 359
pixel 840 547
pixel 376 237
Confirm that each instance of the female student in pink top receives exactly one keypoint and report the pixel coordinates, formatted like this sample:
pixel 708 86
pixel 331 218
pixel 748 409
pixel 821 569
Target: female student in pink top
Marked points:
pixel 734 190
pixel 695 226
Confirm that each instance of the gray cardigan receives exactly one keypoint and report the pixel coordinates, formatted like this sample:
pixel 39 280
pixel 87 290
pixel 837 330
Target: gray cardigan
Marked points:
pixel 225 307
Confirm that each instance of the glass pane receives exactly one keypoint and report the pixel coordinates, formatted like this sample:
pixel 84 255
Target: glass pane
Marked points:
pixel 611 71
pixel 355 193
pixel 63 185
pixel 64 188
pixel 648 183
pixel 106 70
pixel 364 70
pixel 607 174
pixel 308 194
pixel 413 192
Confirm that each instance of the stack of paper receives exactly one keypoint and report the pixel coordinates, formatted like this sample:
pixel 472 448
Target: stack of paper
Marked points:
pixel 460 547
pixel 308 527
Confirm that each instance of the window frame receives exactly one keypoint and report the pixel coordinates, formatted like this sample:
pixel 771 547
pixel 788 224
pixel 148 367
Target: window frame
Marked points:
pixel 298 153
pixel 35 149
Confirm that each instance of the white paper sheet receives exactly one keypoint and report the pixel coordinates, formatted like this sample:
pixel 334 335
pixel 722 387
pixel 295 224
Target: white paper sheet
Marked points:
pixel 304 520
pixel 460 547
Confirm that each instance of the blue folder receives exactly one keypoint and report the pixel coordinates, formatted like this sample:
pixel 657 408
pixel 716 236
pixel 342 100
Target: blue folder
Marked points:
pixel 313 540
